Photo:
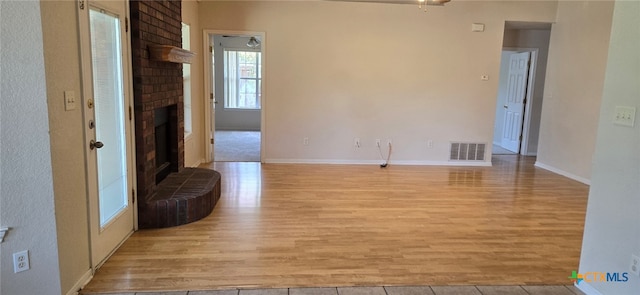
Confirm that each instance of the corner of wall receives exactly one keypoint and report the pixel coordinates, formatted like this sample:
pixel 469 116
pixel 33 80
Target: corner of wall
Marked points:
pixel 194 151
pixel 573 85
pixel 611 232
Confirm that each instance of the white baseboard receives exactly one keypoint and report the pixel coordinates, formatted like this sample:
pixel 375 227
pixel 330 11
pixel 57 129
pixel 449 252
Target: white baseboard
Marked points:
pixel 587 289
pixel 444 163
pixel 322 161
pixel 197 163
pixel 563 173
pixel 375 162
pixel 83 281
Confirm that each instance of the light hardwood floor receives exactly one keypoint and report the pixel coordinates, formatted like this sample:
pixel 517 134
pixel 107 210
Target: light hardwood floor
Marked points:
pixel 337 225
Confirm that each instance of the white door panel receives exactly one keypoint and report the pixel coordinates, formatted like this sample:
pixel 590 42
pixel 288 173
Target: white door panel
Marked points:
pixel 108 128
pixel 514 106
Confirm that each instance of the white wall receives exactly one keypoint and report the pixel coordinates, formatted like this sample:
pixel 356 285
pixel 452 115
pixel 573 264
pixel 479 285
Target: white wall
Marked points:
pixel 26 182
pixel 336 70
pixel 611 232
pixel 231 119
pixel 533 39
pixel 194 145
pixel 573 87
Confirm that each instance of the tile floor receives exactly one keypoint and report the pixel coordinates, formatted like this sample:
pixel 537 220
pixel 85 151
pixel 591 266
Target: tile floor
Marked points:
pixel 389 290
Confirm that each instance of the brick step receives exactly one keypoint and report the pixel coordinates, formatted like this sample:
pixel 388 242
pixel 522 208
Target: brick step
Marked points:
pixel 183 197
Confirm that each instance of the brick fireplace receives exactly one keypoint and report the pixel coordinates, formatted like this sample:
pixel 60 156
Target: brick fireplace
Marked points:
pixel 159 123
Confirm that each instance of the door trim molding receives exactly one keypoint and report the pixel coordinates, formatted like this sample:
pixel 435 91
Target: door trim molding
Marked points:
pixel 87 77
pixel 206 42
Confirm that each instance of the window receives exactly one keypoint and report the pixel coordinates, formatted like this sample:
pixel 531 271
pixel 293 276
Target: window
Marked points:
pixel 186 78
pixel 242 79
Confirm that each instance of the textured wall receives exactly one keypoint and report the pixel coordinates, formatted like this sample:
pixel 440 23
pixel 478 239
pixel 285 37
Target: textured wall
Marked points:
pixel 27 201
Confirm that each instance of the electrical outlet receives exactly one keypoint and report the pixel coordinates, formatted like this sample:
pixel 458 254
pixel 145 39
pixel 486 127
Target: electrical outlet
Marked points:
pixel 635 265
pixel 305 141
pixel 356 142
pixel 378 142
pixel 20 261
pixel 430 144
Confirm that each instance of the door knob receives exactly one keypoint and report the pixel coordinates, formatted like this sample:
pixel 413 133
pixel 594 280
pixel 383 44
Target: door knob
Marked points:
pixel 95 144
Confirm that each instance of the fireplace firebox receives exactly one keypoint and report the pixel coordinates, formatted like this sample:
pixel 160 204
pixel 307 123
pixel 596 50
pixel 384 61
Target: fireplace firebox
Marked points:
pixel 165 122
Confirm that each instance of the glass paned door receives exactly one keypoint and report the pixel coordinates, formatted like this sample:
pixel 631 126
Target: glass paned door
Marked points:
pixel 109 109
pixel 106 92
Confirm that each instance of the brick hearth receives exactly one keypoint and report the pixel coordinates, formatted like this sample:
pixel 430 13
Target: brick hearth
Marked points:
pixel 182 198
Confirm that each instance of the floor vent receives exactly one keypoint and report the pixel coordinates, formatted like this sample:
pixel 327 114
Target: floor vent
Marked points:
pixel 467 151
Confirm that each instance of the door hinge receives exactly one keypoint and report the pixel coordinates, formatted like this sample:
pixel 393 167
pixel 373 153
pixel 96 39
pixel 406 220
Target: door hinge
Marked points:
pixel 211 49
pixel 130 113
pixel 126 24
pixel 133 195
pixel 81 4
pixel 210 95
pixel 212 141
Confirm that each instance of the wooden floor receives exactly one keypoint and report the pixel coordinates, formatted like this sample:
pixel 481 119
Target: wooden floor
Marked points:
pixel 339 225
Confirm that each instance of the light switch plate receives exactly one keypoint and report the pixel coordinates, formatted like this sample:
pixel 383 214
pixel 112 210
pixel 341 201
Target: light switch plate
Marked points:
pixel 477 27
pixel 69 100
pixel 624 116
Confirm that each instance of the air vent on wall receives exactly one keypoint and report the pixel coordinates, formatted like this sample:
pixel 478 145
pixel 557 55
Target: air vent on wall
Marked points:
pixel 467 151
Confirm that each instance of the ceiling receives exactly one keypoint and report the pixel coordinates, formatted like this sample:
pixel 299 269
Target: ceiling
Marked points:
pixel 412 2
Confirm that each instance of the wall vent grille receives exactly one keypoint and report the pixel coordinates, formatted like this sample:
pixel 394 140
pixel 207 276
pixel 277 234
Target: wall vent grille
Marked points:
pixel 461 151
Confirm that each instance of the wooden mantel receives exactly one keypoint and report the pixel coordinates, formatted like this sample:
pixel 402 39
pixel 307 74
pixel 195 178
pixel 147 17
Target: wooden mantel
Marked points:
pixel 170 54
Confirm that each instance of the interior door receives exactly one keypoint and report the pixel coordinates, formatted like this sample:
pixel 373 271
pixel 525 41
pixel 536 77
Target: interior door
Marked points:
pixel 108 127
pixel 213 102
pixel 514 105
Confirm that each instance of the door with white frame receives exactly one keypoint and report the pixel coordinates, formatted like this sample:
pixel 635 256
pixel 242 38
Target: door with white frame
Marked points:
pixel 211 65
pixel 515 101
pixel 106 67
pixel 234 75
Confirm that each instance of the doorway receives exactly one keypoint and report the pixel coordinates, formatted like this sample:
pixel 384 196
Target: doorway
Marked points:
pixel 106 100
pixel 521 85
pixel 236 68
